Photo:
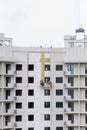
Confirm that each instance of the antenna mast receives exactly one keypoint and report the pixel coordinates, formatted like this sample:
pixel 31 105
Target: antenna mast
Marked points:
pixel 78 12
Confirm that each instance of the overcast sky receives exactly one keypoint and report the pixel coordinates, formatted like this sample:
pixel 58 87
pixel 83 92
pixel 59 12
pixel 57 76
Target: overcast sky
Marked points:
pixel 41 22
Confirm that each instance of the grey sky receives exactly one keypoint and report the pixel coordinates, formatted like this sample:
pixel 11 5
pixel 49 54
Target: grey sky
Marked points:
pixel 41 22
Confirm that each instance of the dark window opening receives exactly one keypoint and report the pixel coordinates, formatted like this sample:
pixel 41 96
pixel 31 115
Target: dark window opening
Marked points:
pixel 46 104
pixel 18 92
pixel 47 92
pixel 30 79
pixel 30 117
pixel 47 128
pixel 7 120
pixel 71 93
pixel 31 67
pixel 59 80
pixel 8 67
pixel 71 105
pixel 59 92
pixel 18 129
pixel 85 106
pixel 47 117
pixel 70 128
pixel 47 67
pixel 31 128
pixel 59 117
pixel 86 81
pixel 59 128
pixel 59 67
pixel 18 118
pixel 70 67
pixel 71 80
pixel 59 104
pixel 18 105
pixel 46 79
pixel 18 79
pixel 31 105
pixel 8 106
pixel 8 80
pixel 8 92
pixel 86 119
pixel 30 92
pixel 18 67
pixel 71 118
pixel 85 94
pixel 85 68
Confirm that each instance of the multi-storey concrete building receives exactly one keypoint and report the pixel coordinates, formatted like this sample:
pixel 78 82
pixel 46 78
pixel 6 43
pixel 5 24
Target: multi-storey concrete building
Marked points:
pixel 44 88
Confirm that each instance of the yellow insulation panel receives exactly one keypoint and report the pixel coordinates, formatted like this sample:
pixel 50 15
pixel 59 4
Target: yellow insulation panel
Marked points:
pixel 43 60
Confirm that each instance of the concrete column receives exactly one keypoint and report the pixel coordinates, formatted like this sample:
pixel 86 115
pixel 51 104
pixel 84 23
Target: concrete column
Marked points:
pixel 79 85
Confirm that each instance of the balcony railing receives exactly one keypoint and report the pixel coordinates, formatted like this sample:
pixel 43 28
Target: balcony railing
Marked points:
pixel 69 123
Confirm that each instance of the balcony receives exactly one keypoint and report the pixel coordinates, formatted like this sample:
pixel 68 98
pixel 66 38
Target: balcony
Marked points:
pixel 68 123
pixel 10 73
pixel 67 73
pixel 68 85
pixel 9 125
pixel 83 112
pixel 83 125
pixel 83 100
pixel 83 87
pixel 9 112
pixel 9 85
pixel 70 73
pixel 67 97
pixel 10 99
pixel 69 111
pixel 83 74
